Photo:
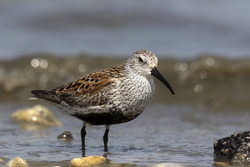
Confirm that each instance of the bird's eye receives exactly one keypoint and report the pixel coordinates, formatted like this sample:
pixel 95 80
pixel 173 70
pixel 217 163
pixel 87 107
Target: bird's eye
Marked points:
pixel 140 59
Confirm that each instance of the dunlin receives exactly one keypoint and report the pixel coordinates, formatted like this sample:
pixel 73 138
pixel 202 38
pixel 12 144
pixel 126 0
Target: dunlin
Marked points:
pixel 112 96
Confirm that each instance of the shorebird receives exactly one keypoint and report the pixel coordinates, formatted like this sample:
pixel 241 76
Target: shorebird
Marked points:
pixel 112 96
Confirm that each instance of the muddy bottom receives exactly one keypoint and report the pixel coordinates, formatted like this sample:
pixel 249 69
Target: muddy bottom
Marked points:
pixel 162 134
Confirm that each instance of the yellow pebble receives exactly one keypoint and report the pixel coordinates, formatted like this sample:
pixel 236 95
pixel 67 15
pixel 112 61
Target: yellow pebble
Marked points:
pixel 87 161
pixel 38 115
pixel 220 164
pixel 17 162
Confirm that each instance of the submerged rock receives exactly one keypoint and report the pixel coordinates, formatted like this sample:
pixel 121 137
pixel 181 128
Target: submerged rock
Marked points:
pixel 17 162
pixel 65 136
pixel 235 147
pixel 39 116
pixel 87 161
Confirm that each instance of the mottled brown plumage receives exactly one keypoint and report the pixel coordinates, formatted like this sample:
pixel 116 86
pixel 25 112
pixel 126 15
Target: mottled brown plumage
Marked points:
pixel 112 96
pixel 92 83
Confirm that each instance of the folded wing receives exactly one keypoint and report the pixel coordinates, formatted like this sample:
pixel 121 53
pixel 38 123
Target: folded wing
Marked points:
pixel 90 90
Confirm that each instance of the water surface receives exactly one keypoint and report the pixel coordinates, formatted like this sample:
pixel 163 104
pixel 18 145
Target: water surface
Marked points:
pixel 211 102
pixel 162 134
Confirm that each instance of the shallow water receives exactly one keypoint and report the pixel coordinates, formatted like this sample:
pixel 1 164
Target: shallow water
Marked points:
pixel 211 102
pixel 212 93
pixel 162 134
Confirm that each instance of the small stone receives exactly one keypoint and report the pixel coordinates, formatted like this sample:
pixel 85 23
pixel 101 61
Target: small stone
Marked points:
pixel 238 154
pixel 87 161
pixel 233 145
pixel 226 151
pixel 244 155
pixel 39 116
pixel 65 136
pixel 220 164
pixel 248 144
pixel 245 148
pixel 17 162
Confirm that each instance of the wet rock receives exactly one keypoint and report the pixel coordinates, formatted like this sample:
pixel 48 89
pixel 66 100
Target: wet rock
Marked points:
pixel 87 161
pixel 17 162
pixel 234 147
pixel 65 136
pixel 39 116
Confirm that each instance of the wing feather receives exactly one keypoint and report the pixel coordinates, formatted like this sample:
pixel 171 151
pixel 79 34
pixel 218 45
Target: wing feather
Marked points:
pixel 89 90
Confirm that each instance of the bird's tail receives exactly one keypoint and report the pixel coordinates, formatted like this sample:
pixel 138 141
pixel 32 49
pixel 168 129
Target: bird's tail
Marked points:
pixel 46 95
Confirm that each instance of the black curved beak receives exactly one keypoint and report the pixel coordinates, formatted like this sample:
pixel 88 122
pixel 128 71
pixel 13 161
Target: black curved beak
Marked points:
pixel 157 74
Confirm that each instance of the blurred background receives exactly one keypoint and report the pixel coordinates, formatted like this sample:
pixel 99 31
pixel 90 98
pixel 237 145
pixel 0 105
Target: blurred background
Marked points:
pixel 203 46
pixel 203 49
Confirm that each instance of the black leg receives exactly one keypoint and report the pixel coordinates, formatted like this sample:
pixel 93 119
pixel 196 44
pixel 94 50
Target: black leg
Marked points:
pixel 105 138
pixel 83 134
